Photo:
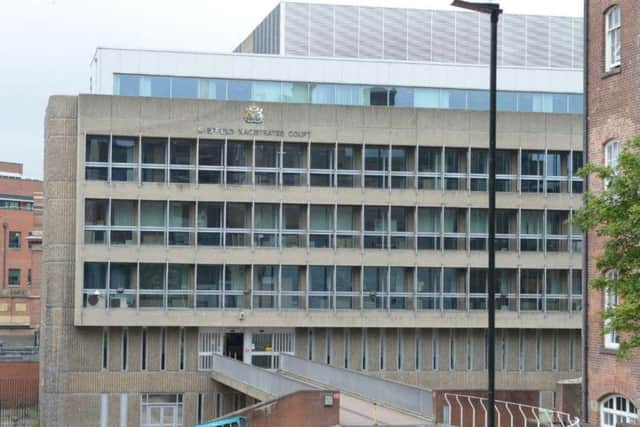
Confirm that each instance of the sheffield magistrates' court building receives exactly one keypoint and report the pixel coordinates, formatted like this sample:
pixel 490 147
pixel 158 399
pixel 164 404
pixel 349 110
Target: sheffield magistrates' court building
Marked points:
pixel 327 200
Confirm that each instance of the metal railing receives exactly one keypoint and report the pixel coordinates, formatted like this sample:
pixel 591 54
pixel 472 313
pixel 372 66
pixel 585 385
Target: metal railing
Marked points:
pixel 471 411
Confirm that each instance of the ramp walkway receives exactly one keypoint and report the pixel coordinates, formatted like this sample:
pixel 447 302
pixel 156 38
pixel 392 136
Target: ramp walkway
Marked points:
pixel 364 400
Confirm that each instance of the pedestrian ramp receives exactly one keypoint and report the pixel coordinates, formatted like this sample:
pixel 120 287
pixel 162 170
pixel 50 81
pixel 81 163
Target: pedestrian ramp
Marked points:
pixel 363 399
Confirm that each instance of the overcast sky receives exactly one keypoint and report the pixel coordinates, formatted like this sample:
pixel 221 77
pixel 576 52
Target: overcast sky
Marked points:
pixel 46 46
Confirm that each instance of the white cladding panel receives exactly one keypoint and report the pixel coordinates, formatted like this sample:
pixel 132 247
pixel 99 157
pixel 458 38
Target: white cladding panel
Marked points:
pixel 108 62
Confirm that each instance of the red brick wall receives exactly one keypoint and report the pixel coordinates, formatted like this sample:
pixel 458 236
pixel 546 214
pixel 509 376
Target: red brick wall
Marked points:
pixel 614 113
pixel 13 298
pixel 19 383
pixel 301 409
pixel 11 167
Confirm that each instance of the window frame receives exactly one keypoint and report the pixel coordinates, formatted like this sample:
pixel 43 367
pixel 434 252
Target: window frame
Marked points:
pixel 610 300
pixel 9 281
pixel 12 237
pixel 610 32
pixel 630 416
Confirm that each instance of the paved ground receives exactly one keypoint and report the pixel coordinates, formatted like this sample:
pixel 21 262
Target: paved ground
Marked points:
pixel 358 412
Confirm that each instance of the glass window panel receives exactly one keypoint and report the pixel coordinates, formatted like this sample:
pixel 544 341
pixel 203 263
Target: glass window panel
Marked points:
pixel 152 213
pixel 375 218
pixel 97 148
pixel 95 275
pixel 375 279
pixel 429 220
pixel 322 93
pixel 558 222
pixel 239 90
pixel 124 212
pixel 321 217
pixel 457 99
pixel 266 91
pixel 576 103
pixel 210 215
pixel 430 159
pixel 122 276
pixel 267 154
pixel 295 92
pixel 401 97
pixel 209 277
pixel 532 162
pixel 238 215
pixel 127 85
pixel 376 158
pixel 154 150
pixel 266 216
pixel 124 149
pixel 531 222
pixel 238 153
pixel 348 218
pixel 184 87
pixel 478 100
pixel 182 151
pixel 236 277
pixel 213 89
pixel 427 98
pixel 181 214
pixel 291 278
pixel 507 101
pixel 559 103
pixel 321 278
pixel 479 161
pixel 156 86
pixel 322 156
pixel 211 153
pixel 428 279
pixel 344 279
pixel 180 277
pixel 265 277
pixel 479 222
pixel 152 276
pixel 95 211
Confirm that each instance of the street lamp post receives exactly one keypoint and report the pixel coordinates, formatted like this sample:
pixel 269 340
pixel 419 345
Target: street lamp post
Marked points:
pixel 494 10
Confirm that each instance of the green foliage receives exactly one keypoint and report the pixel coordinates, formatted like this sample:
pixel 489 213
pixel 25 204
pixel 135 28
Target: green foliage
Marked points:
pixel 614 214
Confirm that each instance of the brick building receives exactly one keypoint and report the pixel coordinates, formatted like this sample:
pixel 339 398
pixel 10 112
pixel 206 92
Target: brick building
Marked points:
pixel 20 255
pixel 613 391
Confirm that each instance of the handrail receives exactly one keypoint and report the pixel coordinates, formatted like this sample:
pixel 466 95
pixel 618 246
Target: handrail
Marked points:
pixel 540 416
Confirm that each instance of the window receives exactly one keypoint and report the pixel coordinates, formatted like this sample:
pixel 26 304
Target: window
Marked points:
pixel 14 239
pixel 611 154
pixel 611 338
pixel 617 409
pixel 14 277
pixel 612 38
pixel 163 349
pixel 124 348
pixel 161 410
pixel 105 348
pixel 143 351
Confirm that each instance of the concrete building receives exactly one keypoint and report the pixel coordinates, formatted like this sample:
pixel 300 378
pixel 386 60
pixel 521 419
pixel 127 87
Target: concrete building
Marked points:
pixel 21 256
pixel 334 209
pixel 613 117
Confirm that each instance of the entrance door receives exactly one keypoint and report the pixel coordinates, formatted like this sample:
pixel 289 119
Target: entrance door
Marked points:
pixel 234 345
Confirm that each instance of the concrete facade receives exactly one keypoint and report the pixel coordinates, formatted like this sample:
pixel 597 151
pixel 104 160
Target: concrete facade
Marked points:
pixel 613 115
pixel 86 335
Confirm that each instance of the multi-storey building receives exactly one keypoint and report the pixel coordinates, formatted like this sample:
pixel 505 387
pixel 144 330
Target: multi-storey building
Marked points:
pixel 613 117
pixel 334 209
pixel 21 256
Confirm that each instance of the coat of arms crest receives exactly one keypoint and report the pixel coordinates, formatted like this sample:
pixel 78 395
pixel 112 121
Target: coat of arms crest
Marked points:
pixel 253 115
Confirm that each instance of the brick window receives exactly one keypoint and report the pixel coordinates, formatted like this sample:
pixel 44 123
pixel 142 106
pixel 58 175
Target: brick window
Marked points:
pixel 612 38
pixel 611 339
pixel 14 239
pixel 617 409
pixel 14 277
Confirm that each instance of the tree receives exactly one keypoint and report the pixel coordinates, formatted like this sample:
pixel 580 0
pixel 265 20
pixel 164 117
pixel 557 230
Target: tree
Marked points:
pixel 614 215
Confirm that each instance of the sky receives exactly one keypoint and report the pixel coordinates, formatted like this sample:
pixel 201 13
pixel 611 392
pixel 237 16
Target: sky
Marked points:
pixel 46 46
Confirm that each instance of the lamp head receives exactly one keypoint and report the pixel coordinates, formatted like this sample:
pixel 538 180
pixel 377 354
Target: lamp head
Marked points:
pixel 490 8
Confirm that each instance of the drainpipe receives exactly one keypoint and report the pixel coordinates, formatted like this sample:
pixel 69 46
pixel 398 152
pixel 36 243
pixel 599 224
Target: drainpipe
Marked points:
pixel 585 239
pixel 4 254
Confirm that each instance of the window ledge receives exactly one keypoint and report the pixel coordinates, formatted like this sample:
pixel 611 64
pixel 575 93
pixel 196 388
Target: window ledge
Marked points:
pixel 611 72
pixel 609 351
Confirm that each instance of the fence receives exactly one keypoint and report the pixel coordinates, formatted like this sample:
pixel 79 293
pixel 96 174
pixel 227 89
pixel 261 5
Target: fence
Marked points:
pixel 471 411
pixel 19 402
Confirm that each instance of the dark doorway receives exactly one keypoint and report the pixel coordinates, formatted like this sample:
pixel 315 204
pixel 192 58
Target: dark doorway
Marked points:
pixel 233 345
